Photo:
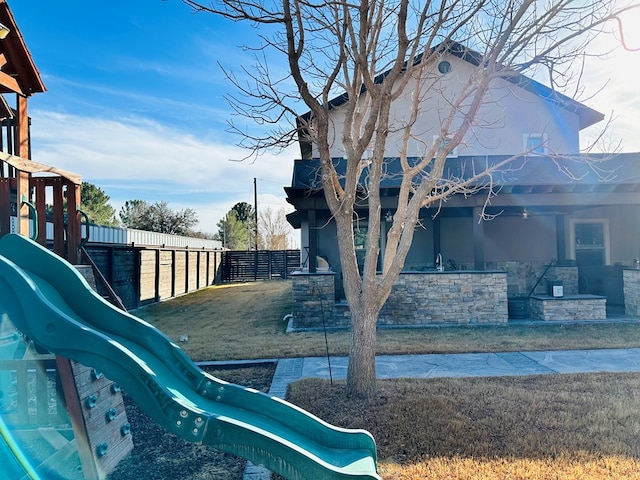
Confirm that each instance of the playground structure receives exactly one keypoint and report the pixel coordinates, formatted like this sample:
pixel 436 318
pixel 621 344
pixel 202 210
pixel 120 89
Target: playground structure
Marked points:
pixel 31 195
pixel 48 306
pixel 163 381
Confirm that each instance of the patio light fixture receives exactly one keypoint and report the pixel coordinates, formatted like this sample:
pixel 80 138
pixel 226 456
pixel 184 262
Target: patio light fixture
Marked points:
pixel 4 31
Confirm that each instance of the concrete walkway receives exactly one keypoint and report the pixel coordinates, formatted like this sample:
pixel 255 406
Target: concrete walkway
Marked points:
pixel 454 365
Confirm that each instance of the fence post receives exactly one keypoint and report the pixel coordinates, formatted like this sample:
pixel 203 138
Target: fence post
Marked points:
pixel 137 261
pixel 186 271
pixel 286 264
pixel 198 270
pixel 173 273
pixel 156 280
pixel 255 265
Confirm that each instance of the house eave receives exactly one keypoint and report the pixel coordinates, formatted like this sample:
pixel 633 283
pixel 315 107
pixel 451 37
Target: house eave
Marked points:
pixel 601 179
pixel 20 65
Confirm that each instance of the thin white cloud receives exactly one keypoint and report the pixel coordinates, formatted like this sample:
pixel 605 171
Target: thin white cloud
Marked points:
pixel 140 158
pixel 135 100
pixel 142 149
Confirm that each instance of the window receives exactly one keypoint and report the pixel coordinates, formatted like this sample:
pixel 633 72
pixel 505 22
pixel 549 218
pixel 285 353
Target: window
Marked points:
pixel 360 236
pixel 589 241
pixel 443 143
pixel 535 144
pixel 444 67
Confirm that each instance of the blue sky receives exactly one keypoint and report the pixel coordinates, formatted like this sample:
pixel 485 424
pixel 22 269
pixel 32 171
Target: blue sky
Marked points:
pixel 135 102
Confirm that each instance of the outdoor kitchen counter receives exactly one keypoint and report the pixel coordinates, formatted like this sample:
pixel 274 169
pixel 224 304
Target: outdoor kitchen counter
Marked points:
pixel 417 298
pixel 453 296
pixel 569 307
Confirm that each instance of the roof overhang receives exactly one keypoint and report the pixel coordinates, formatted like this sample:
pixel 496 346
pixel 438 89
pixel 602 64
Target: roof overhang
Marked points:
pixel 605 179
pixel 18 72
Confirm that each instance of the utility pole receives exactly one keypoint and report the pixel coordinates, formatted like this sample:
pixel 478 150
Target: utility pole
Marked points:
pixel 255 211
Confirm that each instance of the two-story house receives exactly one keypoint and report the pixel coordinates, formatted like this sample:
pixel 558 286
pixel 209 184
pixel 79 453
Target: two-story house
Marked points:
pixel 554 205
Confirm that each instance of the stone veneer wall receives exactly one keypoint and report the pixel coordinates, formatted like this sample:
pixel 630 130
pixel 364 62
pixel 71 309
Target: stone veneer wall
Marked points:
pixel 313 299
pixel 572 307
pixel 460 297
pixel 457 297
pixel 522 276
pixel 631 280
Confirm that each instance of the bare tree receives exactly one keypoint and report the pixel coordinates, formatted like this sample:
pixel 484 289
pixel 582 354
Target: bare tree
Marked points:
pixel 273 229
pixel 374 54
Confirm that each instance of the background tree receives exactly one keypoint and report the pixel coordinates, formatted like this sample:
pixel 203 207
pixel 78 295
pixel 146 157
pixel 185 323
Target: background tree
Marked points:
pixel 237 229
pixel 341 47
pixel 132 211
pixel 244 212
pixel 273 229
pixel 232 232
pixel 158 217
pixel 95 203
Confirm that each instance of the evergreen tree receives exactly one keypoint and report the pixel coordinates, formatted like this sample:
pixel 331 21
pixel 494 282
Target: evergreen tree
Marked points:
pixel 95 203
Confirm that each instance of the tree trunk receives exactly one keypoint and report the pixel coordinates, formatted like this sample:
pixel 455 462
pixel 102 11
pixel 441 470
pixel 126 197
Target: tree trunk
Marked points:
pixel 361 374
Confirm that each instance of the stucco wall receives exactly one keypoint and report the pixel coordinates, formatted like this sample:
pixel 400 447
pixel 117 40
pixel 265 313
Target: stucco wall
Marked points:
pixel 509 112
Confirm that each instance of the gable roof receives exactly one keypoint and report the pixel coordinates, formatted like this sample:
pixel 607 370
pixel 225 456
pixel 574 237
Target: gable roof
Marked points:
pixel 19 74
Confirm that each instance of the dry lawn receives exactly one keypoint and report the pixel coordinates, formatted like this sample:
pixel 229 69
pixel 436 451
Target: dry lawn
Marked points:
pixel 562 427
pixel 240 321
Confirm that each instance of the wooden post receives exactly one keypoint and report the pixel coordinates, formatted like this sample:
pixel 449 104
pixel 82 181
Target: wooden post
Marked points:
pixel 23 210
pixel 186 271
pixel 156 280
pixel 89 467
pixel 208 268
pixel 58 217
pixel 137 261
pixel 41 209
pixel 22 140
pixel 5 210
pixel 73 223
pixel 22 127
pixel 173 273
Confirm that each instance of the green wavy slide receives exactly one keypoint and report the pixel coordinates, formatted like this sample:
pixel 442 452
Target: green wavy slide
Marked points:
pixel 49 301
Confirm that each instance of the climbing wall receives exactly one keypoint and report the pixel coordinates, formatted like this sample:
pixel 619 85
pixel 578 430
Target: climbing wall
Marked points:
pixel 96 409
pixel 98 416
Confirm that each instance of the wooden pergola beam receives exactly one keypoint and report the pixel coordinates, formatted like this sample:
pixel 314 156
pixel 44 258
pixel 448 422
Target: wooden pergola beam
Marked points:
pixel 29 166
pixel 11 83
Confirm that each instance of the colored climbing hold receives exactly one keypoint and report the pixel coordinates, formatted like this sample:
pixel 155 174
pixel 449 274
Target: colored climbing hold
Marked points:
pixel 101 449
pixel 112 413
pixel 92 401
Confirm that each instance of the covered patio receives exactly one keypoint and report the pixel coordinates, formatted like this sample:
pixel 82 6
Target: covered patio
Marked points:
pixel 573 222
